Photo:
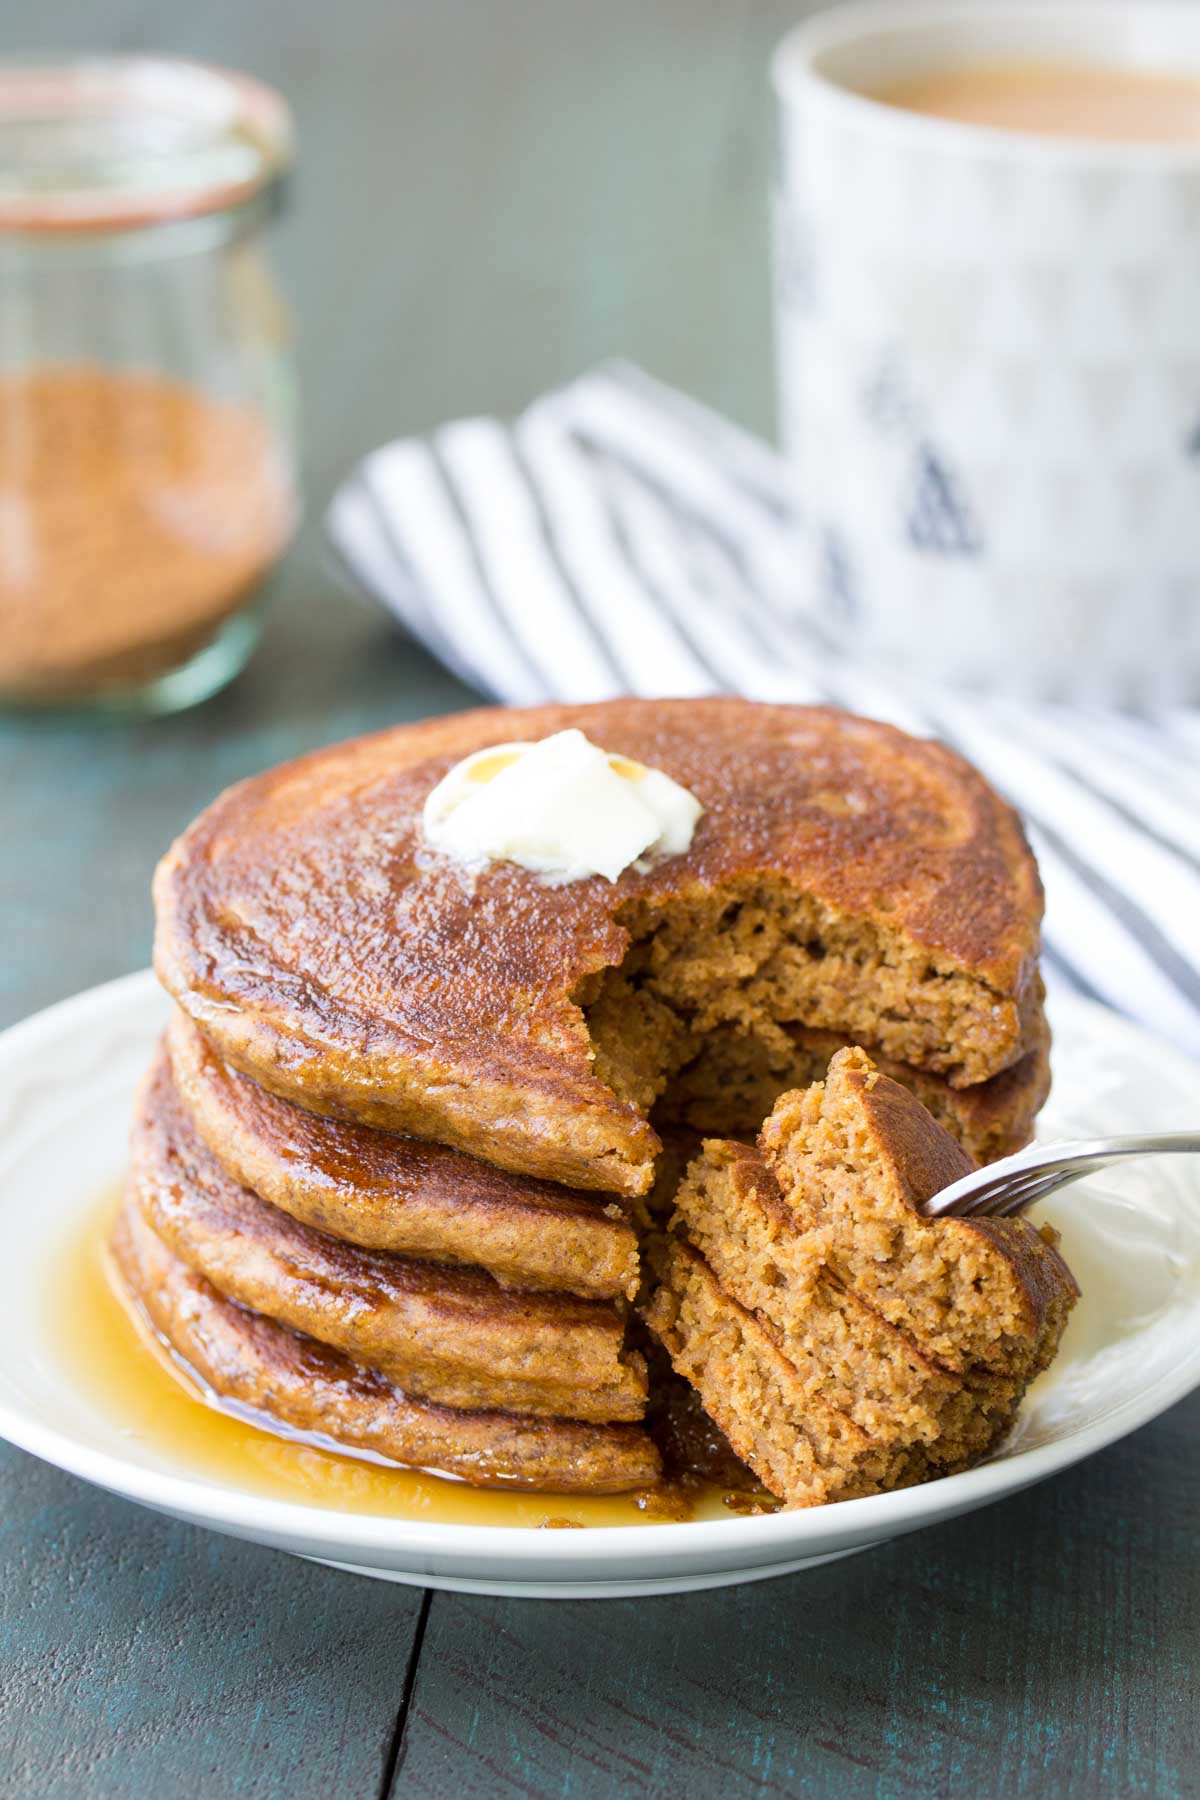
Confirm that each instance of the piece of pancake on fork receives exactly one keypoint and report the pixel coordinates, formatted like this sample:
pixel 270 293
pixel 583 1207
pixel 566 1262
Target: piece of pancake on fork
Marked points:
pixel 843 1342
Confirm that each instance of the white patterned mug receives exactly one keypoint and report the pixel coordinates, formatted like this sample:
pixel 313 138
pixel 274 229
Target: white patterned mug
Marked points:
pixel 988 356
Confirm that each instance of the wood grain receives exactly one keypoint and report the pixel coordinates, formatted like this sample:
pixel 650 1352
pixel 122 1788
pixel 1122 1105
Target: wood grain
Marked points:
pixel 1045 1646
pixel 139 1657
pixel 490 198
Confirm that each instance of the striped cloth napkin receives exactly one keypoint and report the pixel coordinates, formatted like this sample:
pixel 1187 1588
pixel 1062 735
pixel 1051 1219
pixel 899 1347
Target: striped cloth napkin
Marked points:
pixel 620 538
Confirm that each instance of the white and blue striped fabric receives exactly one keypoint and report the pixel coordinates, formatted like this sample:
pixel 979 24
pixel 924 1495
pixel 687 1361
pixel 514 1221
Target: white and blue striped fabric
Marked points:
pixel 619 538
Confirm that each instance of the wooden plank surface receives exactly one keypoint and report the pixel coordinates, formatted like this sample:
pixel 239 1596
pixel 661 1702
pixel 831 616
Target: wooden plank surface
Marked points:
pixel 491 197
pixel 1043 1647
pixel 142 1658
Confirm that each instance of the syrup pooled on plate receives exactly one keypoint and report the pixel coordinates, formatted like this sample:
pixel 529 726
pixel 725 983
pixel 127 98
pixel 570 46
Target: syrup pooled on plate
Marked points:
pixel 124 1369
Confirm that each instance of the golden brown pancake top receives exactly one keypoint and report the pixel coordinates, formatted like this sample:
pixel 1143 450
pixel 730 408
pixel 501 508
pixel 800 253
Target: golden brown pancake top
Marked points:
pixel 322 949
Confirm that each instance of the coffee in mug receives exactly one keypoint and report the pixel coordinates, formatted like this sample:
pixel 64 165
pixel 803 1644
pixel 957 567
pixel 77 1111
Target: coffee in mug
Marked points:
pixel 1081 100
pixel 988 340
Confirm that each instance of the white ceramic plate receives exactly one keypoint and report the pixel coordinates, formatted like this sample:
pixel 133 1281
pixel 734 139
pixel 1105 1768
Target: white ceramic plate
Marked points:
pixel 67 1079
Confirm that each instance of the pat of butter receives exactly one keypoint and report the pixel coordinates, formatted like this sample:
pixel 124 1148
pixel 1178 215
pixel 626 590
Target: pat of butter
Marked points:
pixel 563 808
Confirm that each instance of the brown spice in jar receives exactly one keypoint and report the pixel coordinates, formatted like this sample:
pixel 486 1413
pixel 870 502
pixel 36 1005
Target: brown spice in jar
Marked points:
pixel 136 514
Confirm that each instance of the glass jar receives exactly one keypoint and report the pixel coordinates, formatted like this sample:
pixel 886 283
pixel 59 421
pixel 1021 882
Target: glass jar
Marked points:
pixel 147 478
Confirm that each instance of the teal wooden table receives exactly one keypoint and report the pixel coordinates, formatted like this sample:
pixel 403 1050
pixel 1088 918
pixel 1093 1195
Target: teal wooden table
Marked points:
pixel 491 197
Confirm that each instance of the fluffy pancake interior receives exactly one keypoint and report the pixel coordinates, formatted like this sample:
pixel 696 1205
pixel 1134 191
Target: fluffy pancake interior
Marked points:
pixel 803 1449
pixel 729 1090
pixel 730 976
pixel 856 1159
pixel 840 1348
pixel 844 1342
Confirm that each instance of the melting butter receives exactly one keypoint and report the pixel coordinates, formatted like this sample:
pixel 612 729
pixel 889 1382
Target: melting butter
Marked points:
pixel 563 808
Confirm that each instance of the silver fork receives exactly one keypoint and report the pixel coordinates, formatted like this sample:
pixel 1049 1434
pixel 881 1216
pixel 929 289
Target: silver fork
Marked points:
pixel 1005 1188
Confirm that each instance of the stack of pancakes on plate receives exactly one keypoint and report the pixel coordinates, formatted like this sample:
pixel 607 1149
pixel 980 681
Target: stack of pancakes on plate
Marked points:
pixel 392 1165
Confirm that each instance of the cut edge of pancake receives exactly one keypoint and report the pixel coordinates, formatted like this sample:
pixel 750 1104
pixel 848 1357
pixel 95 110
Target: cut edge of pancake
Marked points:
pixel 856 1157
pixel 837 1374
pixel 803 1450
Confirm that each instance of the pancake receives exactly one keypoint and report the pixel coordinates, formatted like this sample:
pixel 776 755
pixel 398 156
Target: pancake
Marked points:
pixel 844 877
pixel 732 1213
pixel 802 1449
pixel 844 1343
pixel 284 1379
pixel 856 1158
pixel 450 1335
pixel 692 1447
pixel 386 1192
pixel 733 1088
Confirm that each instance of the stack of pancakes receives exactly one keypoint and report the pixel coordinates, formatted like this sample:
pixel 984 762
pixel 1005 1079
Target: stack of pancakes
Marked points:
pixel 392 1295
pixel 391 1164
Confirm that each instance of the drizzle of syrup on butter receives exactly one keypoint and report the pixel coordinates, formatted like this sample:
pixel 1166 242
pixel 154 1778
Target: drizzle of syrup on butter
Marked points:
pixel 129 1374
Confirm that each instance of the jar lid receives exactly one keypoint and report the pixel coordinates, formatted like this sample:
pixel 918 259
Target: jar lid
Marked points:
pixel 114 143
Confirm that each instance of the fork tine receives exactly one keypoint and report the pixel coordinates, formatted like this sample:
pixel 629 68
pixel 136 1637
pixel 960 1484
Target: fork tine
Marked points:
pixel 1049 1182
pixel 995 1198
pixel 1010 1196
pixel 980 1198
pixel 1030 1175
pixel 1028 1196
pixel 1007 1198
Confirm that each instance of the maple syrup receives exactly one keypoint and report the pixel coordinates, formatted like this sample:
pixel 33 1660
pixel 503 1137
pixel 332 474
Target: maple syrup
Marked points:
pixel 130 1374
